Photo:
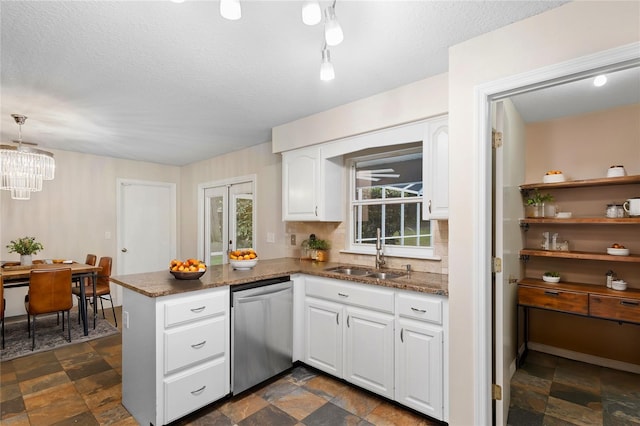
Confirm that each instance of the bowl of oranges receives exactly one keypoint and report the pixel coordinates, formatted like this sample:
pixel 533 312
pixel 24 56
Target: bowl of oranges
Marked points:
pixel 190 269
pixel 243 259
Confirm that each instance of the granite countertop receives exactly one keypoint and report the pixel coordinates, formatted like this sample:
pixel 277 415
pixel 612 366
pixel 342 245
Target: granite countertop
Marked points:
pixel 162 283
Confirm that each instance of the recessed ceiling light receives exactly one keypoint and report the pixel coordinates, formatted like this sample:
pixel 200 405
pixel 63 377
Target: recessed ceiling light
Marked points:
pixel 600 81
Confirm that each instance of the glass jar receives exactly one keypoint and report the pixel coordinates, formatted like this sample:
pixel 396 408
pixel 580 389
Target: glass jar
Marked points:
pixel 614 211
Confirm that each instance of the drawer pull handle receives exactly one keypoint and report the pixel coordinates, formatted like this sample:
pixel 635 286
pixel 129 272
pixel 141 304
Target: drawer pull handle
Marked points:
pixel 343 295
pixel 338 318
pixel 199 345
pixel 197 391
pixel 422 311
pixel 198 310
pixel 552 293
pixel 348 321
pixel 402 335
pixel 629 303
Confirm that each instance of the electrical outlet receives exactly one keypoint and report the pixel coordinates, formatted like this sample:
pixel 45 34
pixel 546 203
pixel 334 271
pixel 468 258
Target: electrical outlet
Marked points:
pixel 271 237
pixel 293 239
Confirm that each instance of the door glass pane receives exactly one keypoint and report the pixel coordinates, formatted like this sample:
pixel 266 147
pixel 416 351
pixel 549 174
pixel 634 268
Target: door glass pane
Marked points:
pixel 244 221
pixel 216 238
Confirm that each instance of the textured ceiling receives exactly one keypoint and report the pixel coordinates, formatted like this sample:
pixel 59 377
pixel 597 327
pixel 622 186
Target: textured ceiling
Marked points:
pixel 176 83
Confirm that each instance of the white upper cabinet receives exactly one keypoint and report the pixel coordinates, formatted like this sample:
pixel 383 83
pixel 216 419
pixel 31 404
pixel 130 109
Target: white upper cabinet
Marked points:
pixel 312 186
pixel 435 173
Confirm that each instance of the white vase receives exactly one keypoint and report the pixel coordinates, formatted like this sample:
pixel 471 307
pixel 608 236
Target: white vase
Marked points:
pixel 25 259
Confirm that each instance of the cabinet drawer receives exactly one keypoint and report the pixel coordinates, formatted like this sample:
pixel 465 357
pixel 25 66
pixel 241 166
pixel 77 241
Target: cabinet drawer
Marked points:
pixel 422 308
pixel 193 343
pixel 558 300
pixel 194 389
pixel 368 296
pixel 195 308
pixel 617 308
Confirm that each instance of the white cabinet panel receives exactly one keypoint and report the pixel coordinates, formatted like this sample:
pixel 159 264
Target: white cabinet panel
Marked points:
pixel 311 186
pixel 419 367
pixel 323 335
pixel 369 350
pixel 435 172
pixel 193 343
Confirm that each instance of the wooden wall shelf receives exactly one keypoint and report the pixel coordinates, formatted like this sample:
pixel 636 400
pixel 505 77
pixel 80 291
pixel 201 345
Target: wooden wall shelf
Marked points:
pixel 582 221
pixel 583 255
pixel 585 183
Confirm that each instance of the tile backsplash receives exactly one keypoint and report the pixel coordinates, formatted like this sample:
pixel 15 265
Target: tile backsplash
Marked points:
pixel 335 232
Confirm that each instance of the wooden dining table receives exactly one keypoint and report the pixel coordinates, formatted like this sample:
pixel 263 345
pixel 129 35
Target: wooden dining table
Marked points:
pixel 19 277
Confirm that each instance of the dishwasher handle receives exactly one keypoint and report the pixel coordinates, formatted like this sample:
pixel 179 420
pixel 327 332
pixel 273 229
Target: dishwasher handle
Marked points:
pixel 261 296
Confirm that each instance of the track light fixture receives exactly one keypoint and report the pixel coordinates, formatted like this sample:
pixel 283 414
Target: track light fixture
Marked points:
pixel 230 9
pixel 326 67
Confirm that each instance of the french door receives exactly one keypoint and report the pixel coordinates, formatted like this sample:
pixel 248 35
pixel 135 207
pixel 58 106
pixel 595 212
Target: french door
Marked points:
pixel 229 219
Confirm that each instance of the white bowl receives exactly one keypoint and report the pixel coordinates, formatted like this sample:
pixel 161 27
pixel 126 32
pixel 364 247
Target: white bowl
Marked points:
pixel 243 265
pixel 618 251
pixel 553 178
pixel 563 215
pixel 550 279
pixel 619 285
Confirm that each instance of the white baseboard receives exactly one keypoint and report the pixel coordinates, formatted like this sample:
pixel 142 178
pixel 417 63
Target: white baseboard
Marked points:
pixel 579 356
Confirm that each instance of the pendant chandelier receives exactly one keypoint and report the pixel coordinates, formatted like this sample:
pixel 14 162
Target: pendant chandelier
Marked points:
pixel 22 168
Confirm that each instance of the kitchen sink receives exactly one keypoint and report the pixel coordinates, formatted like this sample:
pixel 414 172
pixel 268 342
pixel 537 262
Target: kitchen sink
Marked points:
pixel 350 271
pixel 385 275
pixel 366 273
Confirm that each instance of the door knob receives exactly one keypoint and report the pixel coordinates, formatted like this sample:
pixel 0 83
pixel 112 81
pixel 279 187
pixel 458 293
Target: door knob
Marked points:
pixel 124 250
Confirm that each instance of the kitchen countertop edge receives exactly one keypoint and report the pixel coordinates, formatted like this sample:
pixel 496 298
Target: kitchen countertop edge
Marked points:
pixel 162 283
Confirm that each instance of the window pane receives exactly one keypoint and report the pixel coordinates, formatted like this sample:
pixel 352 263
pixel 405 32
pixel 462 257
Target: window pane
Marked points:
pixel 216 238
pixel 401 225
pixel 244 223
pixel 396 176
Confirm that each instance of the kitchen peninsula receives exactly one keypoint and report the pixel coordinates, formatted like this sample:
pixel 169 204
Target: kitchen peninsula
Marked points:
pixel 385 335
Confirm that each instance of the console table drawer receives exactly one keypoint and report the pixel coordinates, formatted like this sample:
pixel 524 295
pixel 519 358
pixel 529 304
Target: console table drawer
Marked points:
pixel 557 300
pixel 616 308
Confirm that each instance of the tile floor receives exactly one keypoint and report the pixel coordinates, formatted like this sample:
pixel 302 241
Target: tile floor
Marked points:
pixel 550 390
pixel 81 384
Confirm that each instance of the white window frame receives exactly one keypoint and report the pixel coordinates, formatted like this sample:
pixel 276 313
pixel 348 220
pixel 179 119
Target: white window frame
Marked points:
pixel 425 252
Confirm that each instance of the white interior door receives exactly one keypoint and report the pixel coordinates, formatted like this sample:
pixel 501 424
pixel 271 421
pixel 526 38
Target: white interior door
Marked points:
pixel 146 226
pixel 216 225
pixel 509 166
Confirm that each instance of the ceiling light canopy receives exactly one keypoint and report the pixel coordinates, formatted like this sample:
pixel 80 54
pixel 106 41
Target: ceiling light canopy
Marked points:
pixel 311 12
pixel 22 169
pixel 600 80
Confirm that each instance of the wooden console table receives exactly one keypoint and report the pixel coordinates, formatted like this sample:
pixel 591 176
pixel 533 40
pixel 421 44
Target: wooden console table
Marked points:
pixel 578 299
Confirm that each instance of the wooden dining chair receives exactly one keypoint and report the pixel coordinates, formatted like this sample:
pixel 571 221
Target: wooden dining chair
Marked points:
pixel 103 289
pixel 2 308
pixel 49 291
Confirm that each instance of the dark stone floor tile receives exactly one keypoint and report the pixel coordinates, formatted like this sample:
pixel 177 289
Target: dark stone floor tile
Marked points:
pixel 622 407
pixel 300 375
pixel 37 365
pixel 522 417
pixel 85 419
pixel 11 407
pixel 269 415
pixel 277 390
pixel 541 359
pixel 86 369
pixel 576 395
pixel 331 415
pixel 526 399
pixel 554 421
pixel 540 371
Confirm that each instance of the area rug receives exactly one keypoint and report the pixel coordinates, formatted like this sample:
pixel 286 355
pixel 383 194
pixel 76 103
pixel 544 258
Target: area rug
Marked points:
pixel 49 334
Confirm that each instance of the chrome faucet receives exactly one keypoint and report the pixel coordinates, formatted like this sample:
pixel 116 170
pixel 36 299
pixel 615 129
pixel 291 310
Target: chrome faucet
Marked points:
pixel 379 254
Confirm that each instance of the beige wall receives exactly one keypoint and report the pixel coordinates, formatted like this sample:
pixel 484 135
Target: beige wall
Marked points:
pixel 72 213
pixel 267 167
pixel 573 30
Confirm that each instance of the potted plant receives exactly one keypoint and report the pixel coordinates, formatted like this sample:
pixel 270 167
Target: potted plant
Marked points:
pixel 25 247
pixel 535 203
pixel 551 277
pixel 319 249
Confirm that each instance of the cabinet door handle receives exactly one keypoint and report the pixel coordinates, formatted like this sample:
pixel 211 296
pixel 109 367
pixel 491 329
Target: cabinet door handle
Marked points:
pixel 552 293
pixel 629 303
pixel 402 335
pixel 197 391
pixel 199 345
pixel 198 310
pixel 429 206
pixel 422 311
pixel 348 320
pixel 343 295
pixel 338 318
pixel 316 212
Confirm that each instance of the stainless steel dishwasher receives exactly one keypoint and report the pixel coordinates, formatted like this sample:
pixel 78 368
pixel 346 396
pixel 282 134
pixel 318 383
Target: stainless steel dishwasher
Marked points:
pixel 261 331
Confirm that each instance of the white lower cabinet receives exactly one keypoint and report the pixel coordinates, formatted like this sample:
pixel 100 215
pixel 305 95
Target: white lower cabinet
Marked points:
pixel 391 342
pixel 175 353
